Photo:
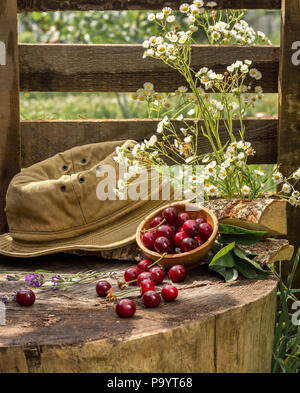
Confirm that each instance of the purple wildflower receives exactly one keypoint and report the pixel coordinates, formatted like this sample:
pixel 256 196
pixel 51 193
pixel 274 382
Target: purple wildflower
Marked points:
pixel 34 280
pixel 4 299
pixel 56 280
pixel 13 296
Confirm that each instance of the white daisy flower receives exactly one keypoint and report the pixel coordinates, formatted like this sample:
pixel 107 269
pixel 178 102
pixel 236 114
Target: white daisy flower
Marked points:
pixel 194 10
pixel 151 17
pixel 258 172
pixel 161 49
pixel 184 8
pixel 198 3
pixel 241 156
pixel 223 173
pixel 191 112
pixel 292 201
pixel 152 140
pixel 296 194
pixel 277 177
pixel 167 11
pixel 211 4
pixel 245 190
pixel 244 69
pixel 188 139
pixel 253 72
pixel 211 190
pixel 160 16
pixel 180 117
pixel 148 86
pixel 182 89
pixel 296 174
pixel 286 188
pixel 171 19
pixel 248 62
pixel 121 184
pixel 230 68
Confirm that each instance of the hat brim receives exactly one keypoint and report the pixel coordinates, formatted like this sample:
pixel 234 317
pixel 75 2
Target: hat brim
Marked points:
pixel 123 231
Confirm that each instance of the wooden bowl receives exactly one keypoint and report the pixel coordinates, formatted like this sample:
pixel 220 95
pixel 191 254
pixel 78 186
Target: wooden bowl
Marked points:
pixel 189 259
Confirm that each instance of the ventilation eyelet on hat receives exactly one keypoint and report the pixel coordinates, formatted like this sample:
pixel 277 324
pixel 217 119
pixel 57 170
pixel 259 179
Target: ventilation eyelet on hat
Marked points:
pixel 81 179
pixel 83 160
pixel 63 188
pixel 64 167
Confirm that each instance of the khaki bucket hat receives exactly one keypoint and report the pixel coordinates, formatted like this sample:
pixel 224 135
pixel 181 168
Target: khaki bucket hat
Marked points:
pixel 53 207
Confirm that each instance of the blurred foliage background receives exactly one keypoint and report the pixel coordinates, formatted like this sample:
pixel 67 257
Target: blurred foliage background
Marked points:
pixel 111 27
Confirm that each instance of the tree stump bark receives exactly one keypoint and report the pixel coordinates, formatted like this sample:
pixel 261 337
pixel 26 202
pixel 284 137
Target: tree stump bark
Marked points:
pixel 211 327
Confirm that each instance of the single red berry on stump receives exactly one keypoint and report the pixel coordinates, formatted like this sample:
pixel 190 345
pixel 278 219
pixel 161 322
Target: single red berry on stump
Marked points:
pixel 151 299
pixel 143 265
pixel 165 231
pixel 169 293
pixel 177 273
pixel 156 221
pixel 182 218
pixel 25 297
pixel 148 240
pixel 191 228
pixel 162 244
pixel 179 237
pixel 131 274
pixel 102 288
pixel 147 285
pixel 200 220
pixel 170 214
pixel 205 231
pixel 144 276
pixel 125 308
pixel 158 274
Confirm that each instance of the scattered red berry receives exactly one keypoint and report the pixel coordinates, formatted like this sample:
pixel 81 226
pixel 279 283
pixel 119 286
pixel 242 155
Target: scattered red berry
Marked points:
pixel 125 308
pixel 144 276
pixel 177 273
pixel 151 299
pixel 148 240
pixel 25 297
pixel 156 221
pixel 170 214
pixel 182 218
pixel 147 285
pixel 158 274
pixel 165 231
pixel 162 244
pixel 143 265
pixel 131 274
pixel 188 244
pixel 199 240
pixel 205 231
pixel 191 228
pixel 200 220
pixel 102 288
pixel 179 237
pixel 169 293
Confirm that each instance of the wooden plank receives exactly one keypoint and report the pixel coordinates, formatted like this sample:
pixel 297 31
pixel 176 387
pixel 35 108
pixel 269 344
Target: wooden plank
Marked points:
pixel 9 101
pixel 121 67
pixel 42 139
pixel 85 5
pixel 289 106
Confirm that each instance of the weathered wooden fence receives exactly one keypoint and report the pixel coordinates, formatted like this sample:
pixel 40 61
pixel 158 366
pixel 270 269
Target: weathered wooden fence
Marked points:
pixel 120 68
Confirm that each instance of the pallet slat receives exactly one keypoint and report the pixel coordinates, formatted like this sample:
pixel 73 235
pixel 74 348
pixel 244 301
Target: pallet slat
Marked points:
pixel 51 137
pixel 116 68
pixel 85 5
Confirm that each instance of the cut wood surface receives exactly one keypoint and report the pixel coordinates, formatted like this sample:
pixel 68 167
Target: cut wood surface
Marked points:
pixel 262 214
pixel 212 327
pixel 9 102
pixel 116 68
pixel 85 5
pixel 51 137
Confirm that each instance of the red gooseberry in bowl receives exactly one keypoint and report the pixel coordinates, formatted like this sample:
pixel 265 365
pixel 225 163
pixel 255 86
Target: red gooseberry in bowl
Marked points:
pixel 158 274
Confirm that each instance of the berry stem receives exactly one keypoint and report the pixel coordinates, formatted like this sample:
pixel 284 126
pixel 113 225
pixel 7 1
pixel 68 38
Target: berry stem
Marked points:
pixel 158 260
pixel 157 226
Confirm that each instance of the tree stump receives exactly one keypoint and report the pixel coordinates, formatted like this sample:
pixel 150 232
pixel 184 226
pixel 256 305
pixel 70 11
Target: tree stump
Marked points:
pixel 211 327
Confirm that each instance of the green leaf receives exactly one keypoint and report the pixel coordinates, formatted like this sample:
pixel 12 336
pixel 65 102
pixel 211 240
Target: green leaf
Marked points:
pixel 235 230
pixel 230 233
pixel 224 257
pixel 42 271
pixel 242 255
pixel 249 271
pixel 229 273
